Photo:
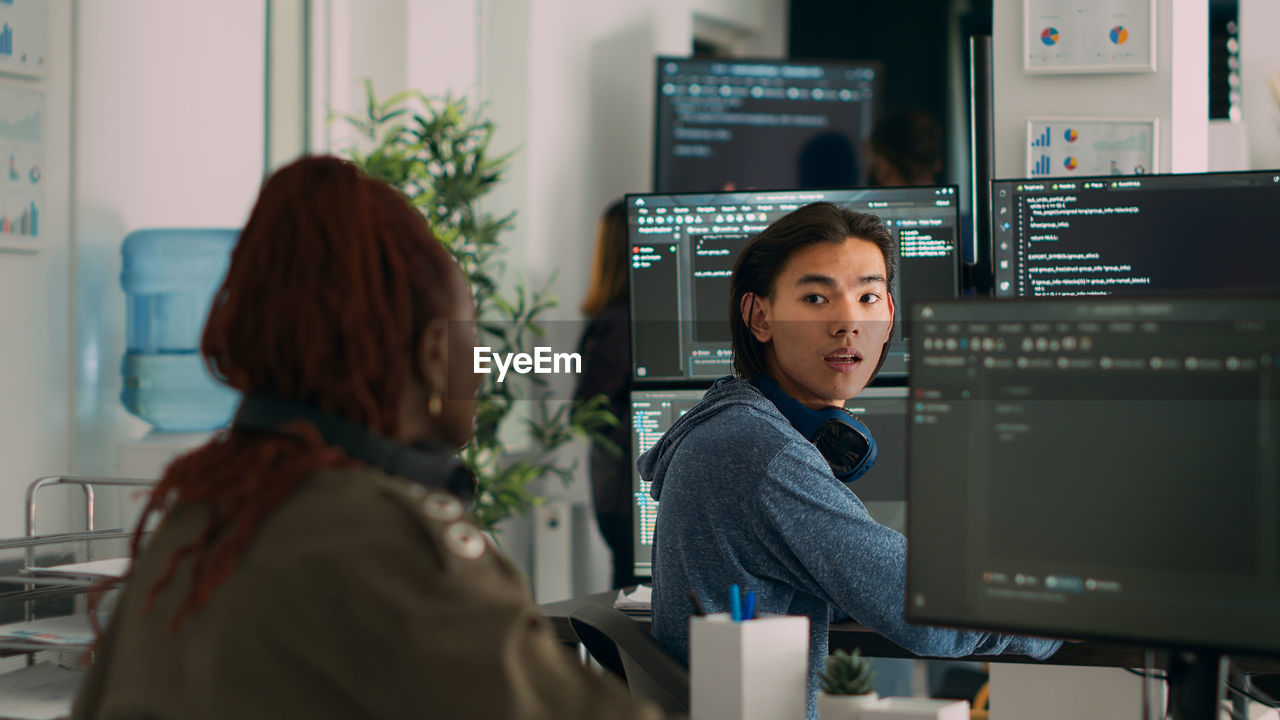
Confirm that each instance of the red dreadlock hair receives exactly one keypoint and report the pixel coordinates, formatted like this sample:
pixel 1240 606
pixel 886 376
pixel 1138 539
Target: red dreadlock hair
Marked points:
pixel 330 286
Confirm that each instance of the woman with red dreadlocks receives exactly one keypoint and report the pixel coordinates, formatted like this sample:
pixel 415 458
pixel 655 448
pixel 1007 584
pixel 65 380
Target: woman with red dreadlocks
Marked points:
pixel 315 560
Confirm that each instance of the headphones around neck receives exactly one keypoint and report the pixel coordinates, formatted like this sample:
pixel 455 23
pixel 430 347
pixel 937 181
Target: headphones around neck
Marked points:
pixel 428 463
pixel 845 443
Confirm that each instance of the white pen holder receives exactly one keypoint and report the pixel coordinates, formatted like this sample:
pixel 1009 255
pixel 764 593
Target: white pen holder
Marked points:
pixel 751 670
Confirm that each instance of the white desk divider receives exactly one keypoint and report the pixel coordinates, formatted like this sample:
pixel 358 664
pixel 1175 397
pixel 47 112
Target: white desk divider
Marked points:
pixel 906 708
pixel 751 670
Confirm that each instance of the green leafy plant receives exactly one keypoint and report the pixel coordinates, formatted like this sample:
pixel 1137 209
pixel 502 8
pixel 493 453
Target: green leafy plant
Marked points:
pixel 847 674
pixel 436 151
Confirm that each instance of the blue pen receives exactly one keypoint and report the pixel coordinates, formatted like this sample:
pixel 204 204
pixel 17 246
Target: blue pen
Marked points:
pixel 735 603
pixel 749 606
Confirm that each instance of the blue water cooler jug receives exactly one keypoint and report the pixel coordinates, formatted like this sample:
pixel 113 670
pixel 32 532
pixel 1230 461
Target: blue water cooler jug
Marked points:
pixel 169 277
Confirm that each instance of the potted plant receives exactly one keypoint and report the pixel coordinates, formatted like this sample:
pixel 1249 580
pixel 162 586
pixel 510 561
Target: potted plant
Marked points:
pixel 847 684
pixel 436 151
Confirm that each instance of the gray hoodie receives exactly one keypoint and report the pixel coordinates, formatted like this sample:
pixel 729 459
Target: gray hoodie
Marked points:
pixel 745 499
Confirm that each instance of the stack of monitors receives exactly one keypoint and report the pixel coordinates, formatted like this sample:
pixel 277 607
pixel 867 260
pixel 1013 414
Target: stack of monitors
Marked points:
pixel 1094 452
pixel 683 248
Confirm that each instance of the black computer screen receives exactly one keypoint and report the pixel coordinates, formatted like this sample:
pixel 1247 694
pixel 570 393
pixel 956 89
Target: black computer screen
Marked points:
pixel 683 248
pixel 1136 235
pixel 652 413
pixel 1098 468
pixel 882 489
pixel 725 124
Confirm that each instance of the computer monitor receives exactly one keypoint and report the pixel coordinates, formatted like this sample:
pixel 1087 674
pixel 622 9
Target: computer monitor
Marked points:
pixel 724 124
pixel 652 413
pixel 882 489
pixel 1101 468
pixel 683 247
pixel 1135 235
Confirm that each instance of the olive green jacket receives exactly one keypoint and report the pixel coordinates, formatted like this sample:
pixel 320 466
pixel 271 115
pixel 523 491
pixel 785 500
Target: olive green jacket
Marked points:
pixel 362 596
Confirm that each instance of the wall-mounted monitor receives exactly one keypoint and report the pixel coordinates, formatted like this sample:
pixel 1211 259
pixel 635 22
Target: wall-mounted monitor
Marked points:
pixel 1136 235
pixel 683 248
pixel 726 124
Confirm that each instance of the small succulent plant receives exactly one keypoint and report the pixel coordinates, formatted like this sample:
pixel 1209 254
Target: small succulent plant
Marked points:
pixel 847 674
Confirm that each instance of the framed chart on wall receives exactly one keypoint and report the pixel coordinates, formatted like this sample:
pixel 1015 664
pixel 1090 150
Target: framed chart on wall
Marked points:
pixel 1089 36
pixel 24 37
pixel 1079 147
pixel 21 168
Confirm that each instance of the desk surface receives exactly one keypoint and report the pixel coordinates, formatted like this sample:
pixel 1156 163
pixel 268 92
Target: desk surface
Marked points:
pixel 847 636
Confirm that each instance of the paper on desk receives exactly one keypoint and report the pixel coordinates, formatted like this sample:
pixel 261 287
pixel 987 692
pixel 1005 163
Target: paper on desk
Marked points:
pixel 66 630
pixel 638 600
pixel 40 692
pixel 110 568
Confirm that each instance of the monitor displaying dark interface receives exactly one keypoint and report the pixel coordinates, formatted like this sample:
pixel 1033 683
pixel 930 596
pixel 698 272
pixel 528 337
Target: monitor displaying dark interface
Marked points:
pixel 683 248
pixel 882 489
pixel 1136 235
pixel 1102 468
pixel 726 124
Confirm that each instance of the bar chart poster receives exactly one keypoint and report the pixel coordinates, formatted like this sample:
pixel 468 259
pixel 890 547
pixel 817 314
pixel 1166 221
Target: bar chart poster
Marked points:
pixel 1066 147
pixel 24 37
pixel 1089 36
pixel 21 168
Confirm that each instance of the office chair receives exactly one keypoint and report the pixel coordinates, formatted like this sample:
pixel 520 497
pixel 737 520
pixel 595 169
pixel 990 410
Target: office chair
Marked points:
pixel 624 649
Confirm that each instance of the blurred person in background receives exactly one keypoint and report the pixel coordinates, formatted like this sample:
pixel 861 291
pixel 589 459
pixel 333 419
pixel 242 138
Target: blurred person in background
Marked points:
pixel 606 369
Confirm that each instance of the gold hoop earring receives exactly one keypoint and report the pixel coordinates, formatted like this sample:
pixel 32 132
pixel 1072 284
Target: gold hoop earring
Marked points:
pixel 435 404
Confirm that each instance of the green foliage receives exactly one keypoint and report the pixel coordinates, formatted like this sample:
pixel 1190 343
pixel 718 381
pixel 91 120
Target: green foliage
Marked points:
pixel 436 151
pixel 845 674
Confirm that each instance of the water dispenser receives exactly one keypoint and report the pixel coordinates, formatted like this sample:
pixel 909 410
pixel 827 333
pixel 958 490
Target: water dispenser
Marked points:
pixel 169 277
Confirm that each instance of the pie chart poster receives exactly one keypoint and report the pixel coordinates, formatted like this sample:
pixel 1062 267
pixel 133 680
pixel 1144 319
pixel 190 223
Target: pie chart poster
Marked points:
pixel 1089 36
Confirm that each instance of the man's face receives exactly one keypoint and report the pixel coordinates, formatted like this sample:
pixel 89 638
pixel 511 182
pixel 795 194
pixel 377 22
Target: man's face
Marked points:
pixel 827 321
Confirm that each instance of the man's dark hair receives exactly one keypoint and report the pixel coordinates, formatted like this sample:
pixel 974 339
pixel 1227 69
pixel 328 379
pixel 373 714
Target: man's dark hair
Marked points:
pixel 757 268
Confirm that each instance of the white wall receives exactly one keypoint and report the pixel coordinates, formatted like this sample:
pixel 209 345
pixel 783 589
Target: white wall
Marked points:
pixel 432 47
pixel 35 330
pixel 1259 62
pixel 286 131
pixel 168 131
pixel 443 62
pixel 353 41
pixel 1177 93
